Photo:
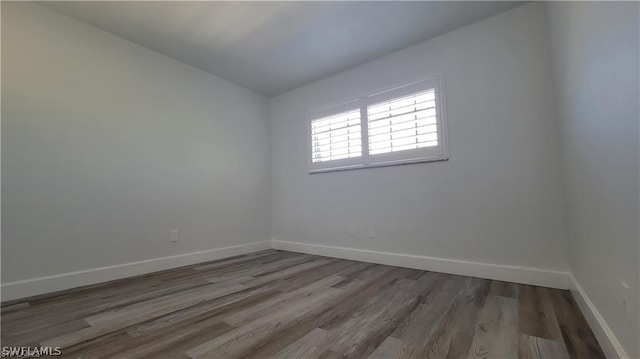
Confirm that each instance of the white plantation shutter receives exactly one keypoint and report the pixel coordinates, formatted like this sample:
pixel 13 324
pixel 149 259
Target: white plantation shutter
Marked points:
pixel 336 137
pixel 401 125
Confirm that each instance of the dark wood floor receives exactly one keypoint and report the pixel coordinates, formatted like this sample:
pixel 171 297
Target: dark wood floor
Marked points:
pixel 276 304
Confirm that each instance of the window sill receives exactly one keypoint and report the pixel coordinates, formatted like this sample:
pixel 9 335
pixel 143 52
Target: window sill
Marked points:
pixel 380 164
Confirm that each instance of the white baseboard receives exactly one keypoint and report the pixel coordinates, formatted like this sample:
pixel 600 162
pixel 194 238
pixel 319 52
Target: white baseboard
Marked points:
pixel 53 283
pixel 517 274
pixel 607 340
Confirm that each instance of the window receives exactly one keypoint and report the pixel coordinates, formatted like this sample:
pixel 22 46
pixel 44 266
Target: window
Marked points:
pixel 336 137
pixel 397 126
pixel 402 124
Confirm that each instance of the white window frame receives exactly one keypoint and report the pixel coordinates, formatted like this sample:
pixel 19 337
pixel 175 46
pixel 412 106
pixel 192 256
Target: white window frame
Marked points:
pixel 426 154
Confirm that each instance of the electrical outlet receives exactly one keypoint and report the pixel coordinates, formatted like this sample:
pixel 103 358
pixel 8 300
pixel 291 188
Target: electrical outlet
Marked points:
pixel 372 232
pixel 626 300
pixel 174 235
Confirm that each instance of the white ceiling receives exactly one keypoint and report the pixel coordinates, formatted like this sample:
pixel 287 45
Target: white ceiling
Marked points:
pixel 274 47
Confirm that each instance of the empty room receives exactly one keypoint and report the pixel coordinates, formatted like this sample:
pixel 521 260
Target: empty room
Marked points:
pixel 311 179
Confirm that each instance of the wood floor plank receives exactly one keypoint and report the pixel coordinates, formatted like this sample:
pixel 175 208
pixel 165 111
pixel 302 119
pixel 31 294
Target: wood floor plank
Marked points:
pixel 242 262
pixel 159 306
pixel 389 349
pixel 234 260
pixel 175 341
pixel 541 348
pixel 102 346
pixel 496 335
pixel 578 337
pixel 299 269
pixel 352 272
pixel 364 276
pixel 504 289
pixel 330 354
pixel 14 307
pixel 309 346
pixel 278 304
pixel 537 317
pixel 111 321
pixel 266 268
pixel 314 274
pixel 417 330
pixel 334 310
pixel 454 335
pixel 34 335
pixel 219 307
pixel 164 341
pixel 232 344
pixel 92 302
pixel 380 315
pixel 290 262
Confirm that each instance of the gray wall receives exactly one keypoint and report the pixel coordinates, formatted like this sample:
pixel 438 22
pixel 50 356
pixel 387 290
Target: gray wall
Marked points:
pixel 107 146
pixel 497 200
pixel 595 53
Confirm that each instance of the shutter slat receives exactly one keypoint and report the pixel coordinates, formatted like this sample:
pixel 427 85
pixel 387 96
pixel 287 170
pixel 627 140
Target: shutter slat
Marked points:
pixel 402 101
pixel 387 137
pixel 353 132
pixel 334 154
pixel 336 119
pixel 404 108
pixel 401 111
pixel 336 127
pixel 332 146
pixel 402 124
pixel 419 126
pixel 402 148
pixel 336 137
pixel 406 116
